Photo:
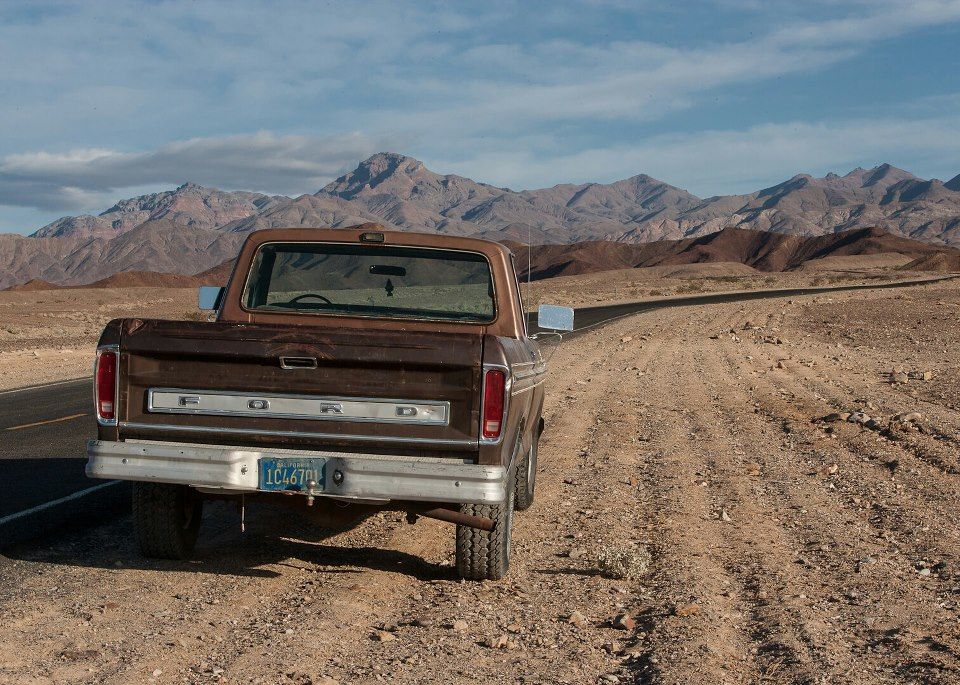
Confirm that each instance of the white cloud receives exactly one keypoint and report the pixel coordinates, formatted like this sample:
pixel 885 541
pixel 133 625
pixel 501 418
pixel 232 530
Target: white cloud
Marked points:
pixel 724 162
pixel 501 92
pixel 78 179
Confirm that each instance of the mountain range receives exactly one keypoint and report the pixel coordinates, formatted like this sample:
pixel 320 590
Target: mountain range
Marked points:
pixel 193 228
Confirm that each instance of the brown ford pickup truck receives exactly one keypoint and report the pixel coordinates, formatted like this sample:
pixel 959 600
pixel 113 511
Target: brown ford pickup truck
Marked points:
pixel 343 372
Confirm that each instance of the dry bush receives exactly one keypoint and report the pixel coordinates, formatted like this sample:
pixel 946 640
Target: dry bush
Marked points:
pixel 623 561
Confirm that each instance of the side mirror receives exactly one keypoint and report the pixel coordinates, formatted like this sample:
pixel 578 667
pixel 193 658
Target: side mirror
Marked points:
pixel 209 297
pixel 554 318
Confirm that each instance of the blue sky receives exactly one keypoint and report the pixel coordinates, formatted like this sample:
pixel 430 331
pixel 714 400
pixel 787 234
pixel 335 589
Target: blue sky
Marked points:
pixel 104 100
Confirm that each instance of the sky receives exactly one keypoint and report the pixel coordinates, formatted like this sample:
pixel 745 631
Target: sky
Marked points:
pixel 105 100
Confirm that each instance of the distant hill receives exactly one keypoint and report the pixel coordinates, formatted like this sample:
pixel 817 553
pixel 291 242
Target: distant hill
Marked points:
pixel 193 228
pixel 938 261
pixel 189 205
pixel 144 279
pixel 33 285
pixel 760 250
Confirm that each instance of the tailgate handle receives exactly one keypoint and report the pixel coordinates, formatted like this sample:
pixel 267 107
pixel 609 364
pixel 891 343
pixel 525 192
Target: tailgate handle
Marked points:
pixel 298 363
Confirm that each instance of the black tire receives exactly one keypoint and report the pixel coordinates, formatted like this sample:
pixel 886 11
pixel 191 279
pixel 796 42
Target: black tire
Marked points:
pixel 167 519
pixel 526 477
pixel 482 555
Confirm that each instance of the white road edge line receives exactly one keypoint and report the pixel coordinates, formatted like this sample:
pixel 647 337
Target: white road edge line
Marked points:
pixel 46 385
pixel 56 502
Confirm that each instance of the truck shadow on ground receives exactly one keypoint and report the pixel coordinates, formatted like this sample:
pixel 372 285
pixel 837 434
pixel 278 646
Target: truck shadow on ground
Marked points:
pixel 273 538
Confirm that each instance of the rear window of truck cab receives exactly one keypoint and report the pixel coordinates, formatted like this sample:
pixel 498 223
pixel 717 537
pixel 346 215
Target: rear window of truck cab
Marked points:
pixel 378 281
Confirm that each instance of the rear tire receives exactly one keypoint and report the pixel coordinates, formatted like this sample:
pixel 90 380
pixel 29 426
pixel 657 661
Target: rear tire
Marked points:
pixel 167 519
pixel 483 555
pixel 526 478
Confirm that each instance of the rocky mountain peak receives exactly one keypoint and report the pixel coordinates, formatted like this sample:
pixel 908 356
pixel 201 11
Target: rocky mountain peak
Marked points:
pixel 386 169
pixel 886 174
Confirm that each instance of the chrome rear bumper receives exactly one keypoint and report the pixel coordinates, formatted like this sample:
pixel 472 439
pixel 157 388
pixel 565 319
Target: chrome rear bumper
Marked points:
pixel 365 476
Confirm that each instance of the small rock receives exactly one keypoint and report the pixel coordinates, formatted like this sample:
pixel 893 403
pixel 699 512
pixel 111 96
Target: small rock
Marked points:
pixel 423 623
pixel 499 642
pixel 383 636
pixel 609 678
pixel 925 571
pixel 687 610
pixel 157 673
pixel 577 619
pixel 624 622
pixel 899 377
pixel 724 516
pixel 460 626
pixel 909 417
pixel 626 338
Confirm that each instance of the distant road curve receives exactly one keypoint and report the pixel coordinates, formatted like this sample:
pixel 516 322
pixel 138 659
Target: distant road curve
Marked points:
pixel 586 318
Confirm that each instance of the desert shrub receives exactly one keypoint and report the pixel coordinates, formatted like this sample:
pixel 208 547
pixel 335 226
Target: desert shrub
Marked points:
pixel 623 561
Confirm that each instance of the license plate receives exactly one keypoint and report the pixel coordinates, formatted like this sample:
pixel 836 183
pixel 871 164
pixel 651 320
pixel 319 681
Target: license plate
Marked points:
pixel 291 474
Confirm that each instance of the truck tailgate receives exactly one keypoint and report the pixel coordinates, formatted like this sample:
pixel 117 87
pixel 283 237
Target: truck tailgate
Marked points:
pixel 226 383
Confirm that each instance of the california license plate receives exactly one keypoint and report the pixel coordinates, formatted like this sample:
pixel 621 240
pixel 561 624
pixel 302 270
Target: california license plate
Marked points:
pixel 292 474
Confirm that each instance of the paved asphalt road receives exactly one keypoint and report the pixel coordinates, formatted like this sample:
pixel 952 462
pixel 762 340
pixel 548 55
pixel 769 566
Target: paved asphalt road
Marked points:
pixel 43 429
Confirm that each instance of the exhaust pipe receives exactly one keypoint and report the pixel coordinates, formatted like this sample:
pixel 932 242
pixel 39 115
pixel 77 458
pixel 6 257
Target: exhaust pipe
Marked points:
pixel 453 516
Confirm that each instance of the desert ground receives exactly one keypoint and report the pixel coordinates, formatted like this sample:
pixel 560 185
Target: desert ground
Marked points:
pixel 781 477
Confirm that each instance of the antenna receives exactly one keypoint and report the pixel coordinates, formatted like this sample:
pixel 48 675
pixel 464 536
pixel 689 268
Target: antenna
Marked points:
pixel 529 250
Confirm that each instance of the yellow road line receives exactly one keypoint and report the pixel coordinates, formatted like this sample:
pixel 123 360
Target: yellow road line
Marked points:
pixel 43 423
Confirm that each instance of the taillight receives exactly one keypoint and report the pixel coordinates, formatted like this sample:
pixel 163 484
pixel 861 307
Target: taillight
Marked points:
pixel 494 387
pixel 105 385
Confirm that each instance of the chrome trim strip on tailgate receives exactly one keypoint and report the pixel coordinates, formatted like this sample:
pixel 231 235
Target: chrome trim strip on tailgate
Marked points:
pixel 213 430
pixel 311 407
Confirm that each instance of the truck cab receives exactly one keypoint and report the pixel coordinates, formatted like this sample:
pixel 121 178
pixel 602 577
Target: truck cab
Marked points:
pixel 342 372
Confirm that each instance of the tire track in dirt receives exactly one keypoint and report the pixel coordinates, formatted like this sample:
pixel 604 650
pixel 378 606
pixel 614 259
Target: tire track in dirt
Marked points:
pixel 737 598
pixel 888 465
pixel 909 659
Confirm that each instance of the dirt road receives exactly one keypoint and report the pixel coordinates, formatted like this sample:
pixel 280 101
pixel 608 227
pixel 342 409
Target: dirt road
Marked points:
pixel 785 549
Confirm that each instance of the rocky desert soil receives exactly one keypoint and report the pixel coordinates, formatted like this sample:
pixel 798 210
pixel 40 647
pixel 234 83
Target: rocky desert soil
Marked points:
pixel 781 477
